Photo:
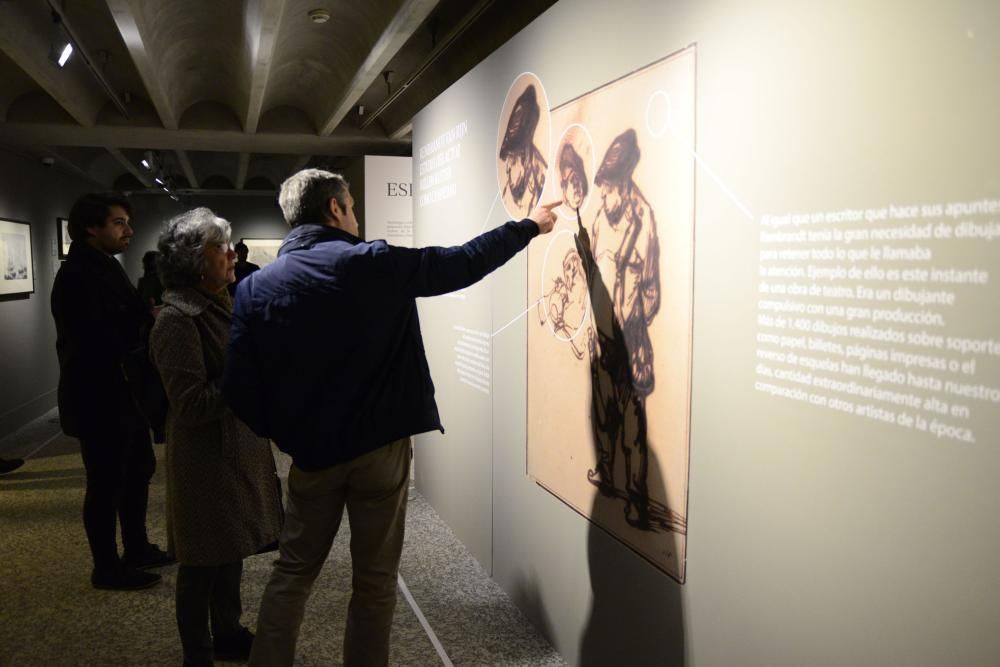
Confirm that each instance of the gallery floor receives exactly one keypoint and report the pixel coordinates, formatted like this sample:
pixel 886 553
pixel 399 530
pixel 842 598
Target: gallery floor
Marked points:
pixel 449 612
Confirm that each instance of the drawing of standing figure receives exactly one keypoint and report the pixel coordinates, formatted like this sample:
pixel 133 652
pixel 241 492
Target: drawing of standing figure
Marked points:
pixel 523 163
pixel 625 296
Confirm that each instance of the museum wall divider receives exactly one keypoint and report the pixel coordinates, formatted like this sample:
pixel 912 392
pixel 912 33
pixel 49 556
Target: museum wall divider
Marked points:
pixel 29 372
pixel 740 407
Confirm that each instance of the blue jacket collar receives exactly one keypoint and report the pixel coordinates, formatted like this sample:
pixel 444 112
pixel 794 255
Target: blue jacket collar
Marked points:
pixel 306 236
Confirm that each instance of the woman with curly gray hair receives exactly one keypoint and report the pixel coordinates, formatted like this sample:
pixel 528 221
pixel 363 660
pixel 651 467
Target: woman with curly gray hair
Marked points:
pixel 223 494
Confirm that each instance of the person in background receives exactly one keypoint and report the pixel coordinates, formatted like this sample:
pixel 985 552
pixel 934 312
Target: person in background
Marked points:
pixel 149 286
pixel 222 486
pixel 99 317
pixel 326 359
pixel 243 267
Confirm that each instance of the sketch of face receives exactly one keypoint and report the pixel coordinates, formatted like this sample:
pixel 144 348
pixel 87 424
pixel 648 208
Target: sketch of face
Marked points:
pixel 573 188
pixel 517 173
pixel 613 201
pixel 615 173
pixel 572 177
pixel 572 269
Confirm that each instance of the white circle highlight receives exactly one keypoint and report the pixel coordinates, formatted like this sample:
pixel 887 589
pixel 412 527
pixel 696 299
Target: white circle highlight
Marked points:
pixel 545 306
pixel 658 114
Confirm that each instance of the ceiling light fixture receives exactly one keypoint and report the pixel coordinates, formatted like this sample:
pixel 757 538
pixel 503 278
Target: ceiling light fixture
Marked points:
pixel 61 48
pixel 64 56
pixel 319 16
pixel 145 163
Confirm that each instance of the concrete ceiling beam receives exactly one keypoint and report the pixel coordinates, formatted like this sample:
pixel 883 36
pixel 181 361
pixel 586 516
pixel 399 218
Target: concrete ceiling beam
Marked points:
pixel 404 23
pixel 265 20
pixel 235 141
pixel 134 33
pixel 187 168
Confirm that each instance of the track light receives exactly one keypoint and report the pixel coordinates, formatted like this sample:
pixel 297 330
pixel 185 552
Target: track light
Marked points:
pixel 145 163
pixel 64 56
pixel 61 48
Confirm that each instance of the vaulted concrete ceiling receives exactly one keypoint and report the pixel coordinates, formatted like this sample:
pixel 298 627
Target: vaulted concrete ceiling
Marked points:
pixel 232 94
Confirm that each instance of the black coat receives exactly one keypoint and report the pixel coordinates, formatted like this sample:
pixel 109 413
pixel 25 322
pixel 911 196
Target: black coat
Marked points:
pixel 326 357
pixel 99 317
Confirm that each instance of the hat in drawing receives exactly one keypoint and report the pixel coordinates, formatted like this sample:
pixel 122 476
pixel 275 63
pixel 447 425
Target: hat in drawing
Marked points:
pixel 620 160
pixel 522 123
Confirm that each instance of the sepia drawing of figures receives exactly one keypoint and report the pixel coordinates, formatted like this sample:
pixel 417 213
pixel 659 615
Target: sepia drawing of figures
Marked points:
pixel 611 350
pixel 521 163
pixel 565 307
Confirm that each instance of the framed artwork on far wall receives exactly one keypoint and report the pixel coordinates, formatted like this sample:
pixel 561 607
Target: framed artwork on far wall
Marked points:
pixel 262 251
pixel 17 274
pixel 62 237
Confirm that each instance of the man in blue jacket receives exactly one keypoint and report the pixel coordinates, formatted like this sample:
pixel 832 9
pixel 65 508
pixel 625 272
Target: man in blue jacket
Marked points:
pixel 326 359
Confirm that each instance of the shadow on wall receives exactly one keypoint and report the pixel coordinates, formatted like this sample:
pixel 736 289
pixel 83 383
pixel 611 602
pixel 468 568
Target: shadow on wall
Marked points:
pixel 631 622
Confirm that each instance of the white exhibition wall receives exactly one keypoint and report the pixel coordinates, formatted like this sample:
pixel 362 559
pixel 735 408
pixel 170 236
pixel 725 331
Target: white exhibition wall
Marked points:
pixel 388 199
pixel 844 420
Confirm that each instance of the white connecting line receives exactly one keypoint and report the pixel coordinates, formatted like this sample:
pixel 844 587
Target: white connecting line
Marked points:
pixel 492 206
pixel 718 181
pixel 518 317
pixel 42 446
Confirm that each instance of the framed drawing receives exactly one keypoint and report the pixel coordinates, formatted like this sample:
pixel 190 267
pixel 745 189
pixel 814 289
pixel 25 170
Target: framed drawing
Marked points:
pixel 609 345
pixel 262 251
pixel 17 275
pixel 62 237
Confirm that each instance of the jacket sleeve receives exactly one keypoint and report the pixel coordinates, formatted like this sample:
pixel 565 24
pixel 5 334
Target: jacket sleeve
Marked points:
pixel 176 348
pixel 435 270
pixel 241 381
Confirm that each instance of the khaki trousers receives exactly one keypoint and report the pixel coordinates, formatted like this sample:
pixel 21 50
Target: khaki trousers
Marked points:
pixel 373 487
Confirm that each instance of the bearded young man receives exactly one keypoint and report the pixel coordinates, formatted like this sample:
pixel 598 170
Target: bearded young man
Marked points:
pixel 99 317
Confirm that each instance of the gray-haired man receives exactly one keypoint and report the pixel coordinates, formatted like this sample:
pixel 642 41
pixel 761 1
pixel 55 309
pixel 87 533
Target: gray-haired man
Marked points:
pixel 327 360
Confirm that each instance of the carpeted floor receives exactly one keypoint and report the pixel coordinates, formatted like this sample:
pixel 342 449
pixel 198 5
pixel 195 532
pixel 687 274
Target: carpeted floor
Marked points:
pixel 49 614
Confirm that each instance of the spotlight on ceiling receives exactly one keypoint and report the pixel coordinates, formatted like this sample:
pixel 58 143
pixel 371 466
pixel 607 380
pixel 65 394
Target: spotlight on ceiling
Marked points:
pixel 64 56
pixel 145 163
pixel 60 48
pixel 319 16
